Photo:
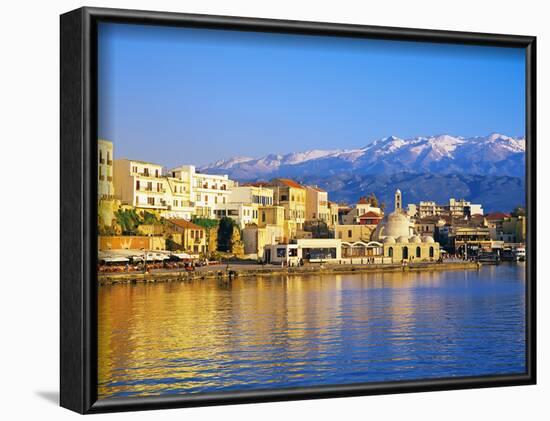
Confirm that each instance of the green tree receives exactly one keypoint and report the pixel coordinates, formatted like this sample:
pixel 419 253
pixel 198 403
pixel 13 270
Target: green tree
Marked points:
pixel 225 233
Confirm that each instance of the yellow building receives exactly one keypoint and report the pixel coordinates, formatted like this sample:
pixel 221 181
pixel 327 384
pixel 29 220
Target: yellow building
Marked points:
pixel 105 185
pixel 353 233
pixel 275 215
pixel 333 209
pixel 317 204
pixel 193 236
pixel 292 197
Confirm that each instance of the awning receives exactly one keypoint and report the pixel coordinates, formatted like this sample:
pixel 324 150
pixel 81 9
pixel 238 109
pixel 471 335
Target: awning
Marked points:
pixel 113 259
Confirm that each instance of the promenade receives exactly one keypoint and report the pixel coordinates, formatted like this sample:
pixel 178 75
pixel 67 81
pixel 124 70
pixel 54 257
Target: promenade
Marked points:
pixel 235 270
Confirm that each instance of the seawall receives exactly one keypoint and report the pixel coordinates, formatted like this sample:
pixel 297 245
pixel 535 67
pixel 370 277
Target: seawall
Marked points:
pixel 179 276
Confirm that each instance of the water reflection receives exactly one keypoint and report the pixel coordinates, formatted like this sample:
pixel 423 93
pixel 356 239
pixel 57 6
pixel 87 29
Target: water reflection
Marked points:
pixel 297 331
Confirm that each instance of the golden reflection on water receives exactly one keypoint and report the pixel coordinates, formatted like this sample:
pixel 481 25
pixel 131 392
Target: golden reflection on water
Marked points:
pixel 200 335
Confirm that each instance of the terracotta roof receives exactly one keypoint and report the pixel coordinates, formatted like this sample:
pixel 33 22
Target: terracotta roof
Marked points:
pixel 371 214
pixel 497 215
pixel 182 223
pixel 362 201
pixel 288 182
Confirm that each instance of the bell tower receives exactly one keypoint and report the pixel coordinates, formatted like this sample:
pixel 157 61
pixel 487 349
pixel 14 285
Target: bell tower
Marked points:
pixel 398 200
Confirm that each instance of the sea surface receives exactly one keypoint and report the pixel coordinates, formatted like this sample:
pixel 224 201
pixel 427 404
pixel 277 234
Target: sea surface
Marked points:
pixel 293 331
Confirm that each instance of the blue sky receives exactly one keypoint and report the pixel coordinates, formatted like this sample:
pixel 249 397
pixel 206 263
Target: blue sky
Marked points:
pixel 176 95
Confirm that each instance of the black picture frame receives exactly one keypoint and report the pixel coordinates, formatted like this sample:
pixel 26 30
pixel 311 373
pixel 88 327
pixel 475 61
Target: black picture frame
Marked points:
pixel 78 372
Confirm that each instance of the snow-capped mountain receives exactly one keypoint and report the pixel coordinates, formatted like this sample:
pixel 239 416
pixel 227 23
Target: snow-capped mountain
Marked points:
pixel 495 154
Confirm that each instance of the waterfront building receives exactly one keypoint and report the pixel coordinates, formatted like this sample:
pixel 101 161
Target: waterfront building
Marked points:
pixel 317 204
pixel 292 197
pixel 206 190
pixel 256 238
pixel 472 240
pixel 306 250
pixel 105 185
pixel 515 227
pixel 140 184
pixel 242 213
pixel 400 241
pixel 193 236
pixel 275 215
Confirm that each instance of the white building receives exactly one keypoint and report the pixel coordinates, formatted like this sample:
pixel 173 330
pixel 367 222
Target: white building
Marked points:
pixel 455 208
pixel 310 250
pixel 205 190
pixel 242 213
pixel 140 184
pixel 250 194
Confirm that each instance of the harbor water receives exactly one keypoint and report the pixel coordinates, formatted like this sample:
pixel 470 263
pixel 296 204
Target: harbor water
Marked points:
pixel 292 331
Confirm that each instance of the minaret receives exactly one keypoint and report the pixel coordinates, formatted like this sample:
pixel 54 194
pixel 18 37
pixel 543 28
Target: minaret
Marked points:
pixel 398 202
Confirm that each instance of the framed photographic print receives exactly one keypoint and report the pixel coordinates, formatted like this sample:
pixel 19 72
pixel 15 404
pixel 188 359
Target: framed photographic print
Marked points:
pixel 257 210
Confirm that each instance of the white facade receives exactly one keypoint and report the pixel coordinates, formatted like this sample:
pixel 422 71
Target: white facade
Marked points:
pixel 140 184
pixel 255 195
pixel 243 214
pixel 205 190
pixel 312 250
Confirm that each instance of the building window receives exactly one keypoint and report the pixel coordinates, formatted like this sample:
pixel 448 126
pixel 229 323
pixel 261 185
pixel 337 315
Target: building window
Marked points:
pixel 149 186
pixel 198 197
pixel 151 201
pixel 215 199
pixel 137 184
pixel 281 252
pixel 390 252
pixel 100 156
pixel 201 233
pixel 405 252
pixel 192 234
pixel 156 173
pixel 146 171
pixel 263 216
pixel 431 252
pixel 349 234
pixel 418 252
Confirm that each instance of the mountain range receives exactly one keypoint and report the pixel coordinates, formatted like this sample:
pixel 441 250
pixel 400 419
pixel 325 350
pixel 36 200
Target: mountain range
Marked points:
pixel 486 169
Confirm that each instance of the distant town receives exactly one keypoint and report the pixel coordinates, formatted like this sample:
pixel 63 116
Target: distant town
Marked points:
pixel 152 219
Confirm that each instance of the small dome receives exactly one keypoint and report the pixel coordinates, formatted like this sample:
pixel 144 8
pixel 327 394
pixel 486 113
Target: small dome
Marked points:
pixel 427 239
pixel 402 239
pixel 389 240
pixel 415 239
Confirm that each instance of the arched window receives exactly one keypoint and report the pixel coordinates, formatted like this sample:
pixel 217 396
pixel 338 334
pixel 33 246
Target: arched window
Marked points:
pixel 431 252
pixel 418 252
pixel 390 252
pixel 405 252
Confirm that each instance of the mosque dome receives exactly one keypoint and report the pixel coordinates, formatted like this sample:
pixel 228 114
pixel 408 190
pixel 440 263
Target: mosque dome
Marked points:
pixel 415 239
pixel 389 240
pixel 427 239
pixel 403 239
pixel 395 224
